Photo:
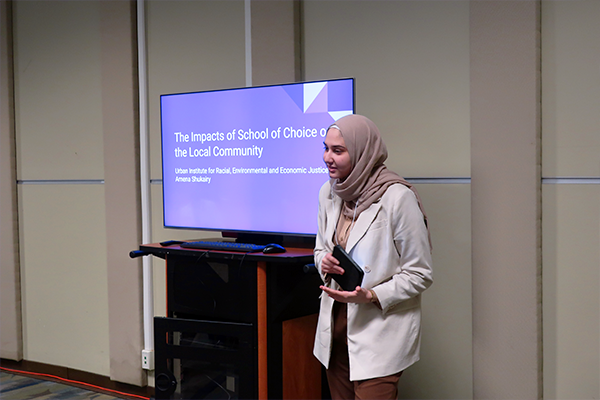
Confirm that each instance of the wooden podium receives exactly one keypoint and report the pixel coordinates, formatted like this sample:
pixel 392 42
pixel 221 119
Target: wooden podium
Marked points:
pixel 238 325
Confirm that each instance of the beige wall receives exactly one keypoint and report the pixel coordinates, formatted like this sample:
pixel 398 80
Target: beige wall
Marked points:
pixel 11 337
pixel 59 137
pixel 446 366
pixel 122 195
pixel 64 284
pixel 78 209
pixel 571 210
pixel 571 291
pixel 505 199
pixel 571 88
pixel 58 90
pixel 415 77
pixel 411 64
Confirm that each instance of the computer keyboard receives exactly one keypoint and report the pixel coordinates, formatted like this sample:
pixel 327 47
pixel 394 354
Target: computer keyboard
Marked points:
pixel 224 246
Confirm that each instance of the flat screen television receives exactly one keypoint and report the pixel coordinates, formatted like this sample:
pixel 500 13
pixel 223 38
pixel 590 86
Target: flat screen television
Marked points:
pixel 249 160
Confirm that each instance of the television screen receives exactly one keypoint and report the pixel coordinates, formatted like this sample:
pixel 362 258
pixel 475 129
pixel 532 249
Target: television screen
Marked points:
pixel 249 159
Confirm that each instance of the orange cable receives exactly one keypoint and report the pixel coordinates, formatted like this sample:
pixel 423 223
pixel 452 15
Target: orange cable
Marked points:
pixel 72 381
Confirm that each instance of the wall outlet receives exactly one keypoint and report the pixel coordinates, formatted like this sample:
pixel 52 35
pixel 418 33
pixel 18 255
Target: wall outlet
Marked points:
pixel 148 359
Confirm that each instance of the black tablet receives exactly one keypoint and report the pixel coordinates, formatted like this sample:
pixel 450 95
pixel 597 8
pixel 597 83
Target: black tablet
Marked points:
pixel 353 274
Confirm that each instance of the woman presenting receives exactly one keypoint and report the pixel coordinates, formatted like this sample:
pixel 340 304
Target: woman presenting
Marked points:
pixel 367 337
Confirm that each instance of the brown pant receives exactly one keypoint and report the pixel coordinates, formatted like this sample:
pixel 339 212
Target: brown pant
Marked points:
pixel 338 374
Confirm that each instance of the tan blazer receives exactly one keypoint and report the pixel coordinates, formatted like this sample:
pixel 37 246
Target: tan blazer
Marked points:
pixel 389 241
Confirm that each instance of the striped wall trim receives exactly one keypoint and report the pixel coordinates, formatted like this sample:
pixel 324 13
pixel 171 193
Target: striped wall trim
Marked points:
pixel 417 181
pixel 571 181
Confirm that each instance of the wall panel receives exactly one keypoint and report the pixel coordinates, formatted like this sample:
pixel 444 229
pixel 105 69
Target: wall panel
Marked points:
pixel 571 212
pixel 57 90
pixel 445 370
pixel 506 200
pixel 121 189
pixel 63 270
pixel 571 280
pixel 62 226
pixel 571 88
pixel 11 344
pixel 411 64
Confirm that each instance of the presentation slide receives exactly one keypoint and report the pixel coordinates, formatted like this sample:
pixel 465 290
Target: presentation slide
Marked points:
pixel 249 159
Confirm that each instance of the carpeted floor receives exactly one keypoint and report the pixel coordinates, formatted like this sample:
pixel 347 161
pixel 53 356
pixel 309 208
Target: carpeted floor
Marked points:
pixel 18 387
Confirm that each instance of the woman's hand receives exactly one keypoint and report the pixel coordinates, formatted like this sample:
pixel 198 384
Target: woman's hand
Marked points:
pixel 359 295
pixel 330 265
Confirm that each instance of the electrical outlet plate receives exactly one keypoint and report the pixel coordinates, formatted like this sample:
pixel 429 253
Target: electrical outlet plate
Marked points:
pixel 148 359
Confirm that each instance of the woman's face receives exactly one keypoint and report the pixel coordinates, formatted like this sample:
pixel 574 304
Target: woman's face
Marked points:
pixel 336 156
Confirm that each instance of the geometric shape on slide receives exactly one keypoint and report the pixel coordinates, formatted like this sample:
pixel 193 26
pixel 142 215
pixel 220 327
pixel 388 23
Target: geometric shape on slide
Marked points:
pixel 296 93
pixel 312 93
pixel 319 104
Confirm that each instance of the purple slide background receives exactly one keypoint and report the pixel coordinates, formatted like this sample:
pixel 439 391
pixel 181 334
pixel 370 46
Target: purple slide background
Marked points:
pixel 276 203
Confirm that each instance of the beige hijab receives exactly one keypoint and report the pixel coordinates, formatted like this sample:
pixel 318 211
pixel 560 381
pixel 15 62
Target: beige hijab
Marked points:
pixel 369 178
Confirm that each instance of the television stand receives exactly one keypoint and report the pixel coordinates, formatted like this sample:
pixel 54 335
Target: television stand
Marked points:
pixel 240 323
